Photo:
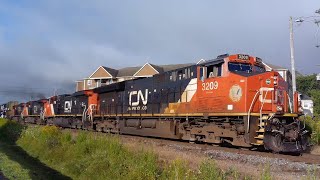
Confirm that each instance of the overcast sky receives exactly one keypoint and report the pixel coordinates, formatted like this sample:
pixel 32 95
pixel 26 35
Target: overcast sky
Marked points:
pixel 47 45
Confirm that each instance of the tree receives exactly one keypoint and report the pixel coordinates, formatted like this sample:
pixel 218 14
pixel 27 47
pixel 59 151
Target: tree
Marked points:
pixel 310 86
pixel 307 83
pixel 315 95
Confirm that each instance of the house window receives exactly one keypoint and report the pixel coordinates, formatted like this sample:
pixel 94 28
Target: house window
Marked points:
pixel 89 82
pixel 98 83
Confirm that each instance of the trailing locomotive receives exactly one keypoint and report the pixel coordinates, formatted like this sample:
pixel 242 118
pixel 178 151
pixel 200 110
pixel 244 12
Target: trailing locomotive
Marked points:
pixel 6 110
pixel 230 99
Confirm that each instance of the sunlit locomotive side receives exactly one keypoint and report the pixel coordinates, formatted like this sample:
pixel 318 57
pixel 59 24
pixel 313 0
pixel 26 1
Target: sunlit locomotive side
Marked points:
pixel 230 99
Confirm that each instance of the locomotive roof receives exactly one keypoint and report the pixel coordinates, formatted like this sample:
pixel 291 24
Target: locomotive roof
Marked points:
pixel 111 87
pixel 79 93
pixel 212 61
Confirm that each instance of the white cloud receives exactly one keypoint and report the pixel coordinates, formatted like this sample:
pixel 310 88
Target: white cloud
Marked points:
pixel 58 42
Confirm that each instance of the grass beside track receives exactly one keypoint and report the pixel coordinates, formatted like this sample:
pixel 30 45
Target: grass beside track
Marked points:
pixel 49 153
pixel 313 125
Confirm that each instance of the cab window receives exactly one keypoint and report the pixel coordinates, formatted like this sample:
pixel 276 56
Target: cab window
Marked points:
pixel 258 68
pixel 239 67
pixel 214 70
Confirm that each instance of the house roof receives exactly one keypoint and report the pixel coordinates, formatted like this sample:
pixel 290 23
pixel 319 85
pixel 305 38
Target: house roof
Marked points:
pixel 175 66
pixel 130 71
pixel 305 97
pixel 127 71
pixel 157 68
pixel 272 66
pixel 275 67
pixel 112 72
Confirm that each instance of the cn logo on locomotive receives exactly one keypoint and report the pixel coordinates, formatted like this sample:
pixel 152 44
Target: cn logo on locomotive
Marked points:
pixel 67 106
pixel 140 98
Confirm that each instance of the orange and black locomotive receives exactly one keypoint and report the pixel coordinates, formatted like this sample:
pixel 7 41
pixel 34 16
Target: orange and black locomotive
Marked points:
pixel 231 99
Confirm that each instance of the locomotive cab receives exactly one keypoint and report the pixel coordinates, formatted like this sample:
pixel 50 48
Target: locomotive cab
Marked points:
pixel 234 86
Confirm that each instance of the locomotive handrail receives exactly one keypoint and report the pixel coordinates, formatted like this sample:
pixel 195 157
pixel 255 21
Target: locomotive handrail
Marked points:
pixel 262 104
pixel 290 104
pixel 84 113
pixel 254 99
pixel 42 113
pixel 91 111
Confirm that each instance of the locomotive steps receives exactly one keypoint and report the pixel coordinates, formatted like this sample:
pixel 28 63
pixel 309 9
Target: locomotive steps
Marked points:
pixel 260 133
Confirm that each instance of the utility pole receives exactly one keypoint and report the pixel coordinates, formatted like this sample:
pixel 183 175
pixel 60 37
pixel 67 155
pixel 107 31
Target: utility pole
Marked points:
pixel 293 71
pixel 318 75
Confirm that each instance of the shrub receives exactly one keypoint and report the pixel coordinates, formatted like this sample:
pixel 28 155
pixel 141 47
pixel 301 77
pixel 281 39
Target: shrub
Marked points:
pixel 9 131
pixel 313 125
pixel 87 155
pixel 177 170
pixel 209 170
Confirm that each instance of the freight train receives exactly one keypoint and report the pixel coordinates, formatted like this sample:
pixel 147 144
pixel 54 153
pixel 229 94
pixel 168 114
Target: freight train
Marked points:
pixel 7 109
pixel 231 99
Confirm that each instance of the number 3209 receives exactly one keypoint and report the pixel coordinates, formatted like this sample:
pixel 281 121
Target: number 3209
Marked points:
pixel 209 86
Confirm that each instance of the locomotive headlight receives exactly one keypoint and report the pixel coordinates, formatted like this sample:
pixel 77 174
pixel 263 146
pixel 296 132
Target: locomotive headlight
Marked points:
pixel 279 108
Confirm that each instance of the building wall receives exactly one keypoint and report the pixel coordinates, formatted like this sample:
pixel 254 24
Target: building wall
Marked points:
pixel 146 71
pixel 90 84
pixel 80 86
pixel 100 73
pixel 307 106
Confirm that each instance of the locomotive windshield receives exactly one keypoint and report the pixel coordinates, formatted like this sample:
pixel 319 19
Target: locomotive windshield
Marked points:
pixel 258 68
pixel 239 67
pixel 248 68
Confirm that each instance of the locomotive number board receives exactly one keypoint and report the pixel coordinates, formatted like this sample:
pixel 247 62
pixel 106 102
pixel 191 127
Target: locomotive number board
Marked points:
pixel 243 57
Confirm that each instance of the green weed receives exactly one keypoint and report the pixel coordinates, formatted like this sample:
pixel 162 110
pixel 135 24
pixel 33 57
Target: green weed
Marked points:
pixel 89 155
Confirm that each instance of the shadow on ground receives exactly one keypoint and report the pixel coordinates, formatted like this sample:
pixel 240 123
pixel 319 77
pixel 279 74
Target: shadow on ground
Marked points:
pixel 37 170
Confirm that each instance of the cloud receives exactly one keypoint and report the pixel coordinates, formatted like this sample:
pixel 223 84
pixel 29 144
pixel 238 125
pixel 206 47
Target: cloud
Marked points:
pixel 53 43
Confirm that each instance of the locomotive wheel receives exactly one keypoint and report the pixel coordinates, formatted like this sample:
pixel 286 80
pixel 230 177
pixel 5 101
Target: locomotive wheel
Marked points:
pixel 273 142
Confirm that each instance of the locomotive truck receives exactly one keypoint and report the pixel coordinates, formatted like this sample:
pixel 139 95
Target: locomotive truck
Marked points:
pixel 230 99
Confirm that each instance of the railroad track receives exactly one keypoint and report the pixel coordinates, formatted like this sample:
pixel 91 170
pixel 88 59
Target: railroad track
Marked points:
pixel 304 158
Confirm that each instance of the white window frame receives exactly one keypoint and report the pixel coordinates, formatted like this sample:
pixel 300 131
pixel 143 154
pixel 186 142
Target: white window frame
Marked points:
pixel 89 82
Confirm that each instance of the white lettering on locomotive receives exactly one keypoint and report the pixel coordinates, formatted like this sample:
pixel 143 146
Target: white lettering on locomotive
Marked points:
pixel 140 98
pixel 67 106
pixel 243 57
pixel 210 86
